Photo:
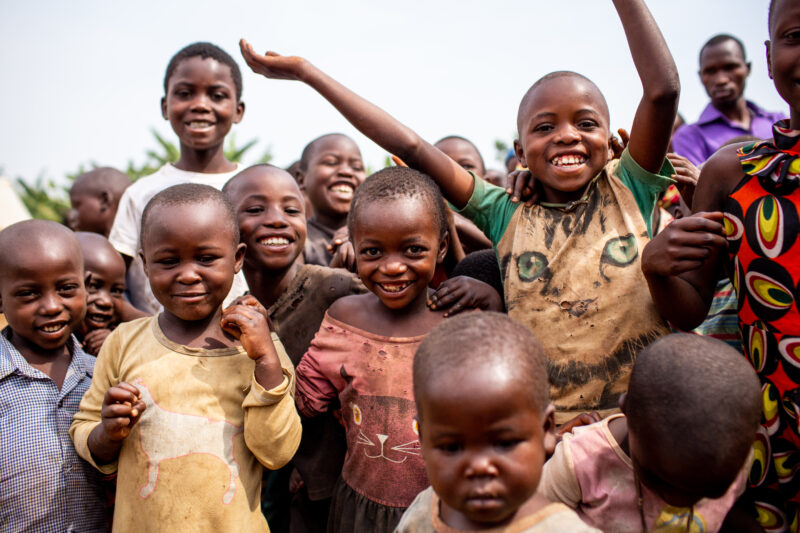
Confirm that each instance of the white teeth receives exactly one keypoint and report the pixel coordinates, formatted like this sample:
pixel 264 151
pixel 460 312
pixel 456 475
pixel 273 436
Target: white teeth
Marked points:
pixel 343 188
pixel 275 241
pixel 569 159
pixel 199 124
pixel 52 329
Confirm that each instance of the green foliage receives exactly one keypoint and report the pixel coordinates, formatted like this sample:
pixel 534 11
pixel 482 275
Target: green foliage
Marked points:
pixel 46 199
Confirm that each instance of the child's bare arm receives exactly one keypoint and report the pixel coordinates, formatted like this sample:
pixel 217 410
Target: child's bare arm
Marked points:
pixel 122 407
pixel 455 182
pixel 247 320
pixel 652 124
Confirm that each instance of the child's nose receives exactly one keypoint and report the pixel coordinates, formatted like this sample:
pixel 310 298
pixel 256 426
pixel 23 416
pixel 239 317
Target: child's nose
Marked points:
pixel 393 267
pixel 102 299
pixel 50 304
pixel 188 275
pixel 201 102
pixel 567 134
pixel 481 465
pixel 274 218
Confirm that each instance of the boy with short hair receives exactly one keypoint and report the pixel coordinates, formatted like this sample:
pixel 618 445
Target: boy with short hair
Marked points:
pixel 678 456
pixel 484 452
pixel 188 403
pixel 202 100
pixel 94 197
pixel 44 484
pixel 570 263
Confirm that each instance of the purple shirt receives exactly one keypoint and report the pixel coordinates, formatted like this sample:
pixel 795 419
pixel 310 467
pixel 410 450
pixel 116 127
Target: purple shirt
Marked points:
pixel 697 142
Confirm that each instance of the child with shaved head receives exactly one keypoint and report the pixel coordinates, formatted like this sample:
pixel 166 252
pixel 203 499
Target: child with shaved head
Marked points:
pixel 485 423
pixel 678 456
pixel 44 485
pixel 94 197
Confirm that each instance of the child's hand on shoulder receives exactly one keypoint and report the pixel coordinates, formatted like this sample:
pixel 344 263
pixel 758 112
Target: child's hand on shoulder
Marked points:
pixel 522 187
pixel 246 319
pixel 464 293
pixel 686 176
pixel 122 408
pixel 684 245
pixel 271 64
pixel 94 340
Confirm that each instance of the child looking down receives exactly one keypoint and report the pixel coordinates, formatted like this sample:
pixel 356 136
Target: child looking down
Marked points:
pixel 571 262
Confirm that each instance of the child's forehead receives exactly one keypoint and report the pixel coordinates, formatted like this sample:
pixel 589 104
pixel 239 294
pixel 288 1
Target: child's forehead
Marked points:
pixel 335 143
pixel 267 182
pixel 570 93
pixel 198 69
pixel 42 255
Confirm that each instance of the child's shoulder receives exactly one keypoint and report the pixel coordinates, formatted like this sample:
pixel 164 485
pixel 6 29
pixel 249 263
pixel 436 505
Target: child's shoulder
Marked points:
pixel 353 309
pixel 719 176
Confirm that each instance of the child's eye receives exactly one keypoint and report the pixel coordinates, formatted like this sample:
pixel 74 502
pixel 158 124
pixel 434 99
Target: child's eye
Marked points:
pixel 26 294
pixel 371 252
pixel 415 249
pixel 183 93
pixel 449 448
pixel 542 128
pixel 219 96
pixel 93 286
pixel 68 290
pixel 506 444
pixel 292 211
pixel 207 258
pixel 117 292
pixel 587 124
pixel 167 261
pixel 255 209
pixel 792 35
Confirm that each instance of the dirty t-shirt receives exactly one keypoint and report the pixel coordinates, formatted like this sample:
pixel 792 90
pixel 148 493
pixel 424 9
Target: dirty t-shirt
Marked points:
pixel 193 461
pixel 371 376
pixel 574 278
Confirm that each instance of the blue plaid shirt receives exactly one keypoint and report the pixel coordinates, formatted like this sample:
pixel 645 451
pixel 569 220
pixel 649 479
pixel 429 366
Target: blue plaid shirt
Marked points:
pixel 44 485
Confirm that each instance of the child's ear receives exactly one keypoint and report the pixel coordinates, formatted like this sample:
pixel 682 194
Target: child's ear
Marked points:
pixel 164 107
pixel 144 263
pixel 105 201
pixel 239 257
pixel 520 154
pixel 549 427
pixel 444 244
pixel 768 46
pixel 300 177
pixel 237 118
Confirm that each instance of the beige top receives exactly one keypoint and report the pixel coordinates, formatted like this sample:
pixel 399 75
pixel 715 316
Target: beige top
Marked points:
pixel 423 517
pixel 193 461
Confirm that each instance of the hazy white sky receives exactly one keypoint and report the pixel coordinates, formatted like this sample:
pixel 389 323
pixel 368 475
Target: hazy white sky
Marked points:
pixel 82 79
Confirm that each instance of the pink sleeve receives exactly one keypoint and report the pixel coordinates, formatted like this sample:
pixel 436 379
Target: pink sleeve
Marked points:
pixel 315 389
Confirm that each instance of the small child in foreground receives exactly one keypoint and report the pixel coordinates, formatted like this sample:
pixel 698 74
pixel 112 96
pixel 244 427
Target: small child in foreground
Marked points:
pixel 186 404
pixel 486 425
pixel 678 456
pixel 44 484
pixel 104 277
pixel 362 354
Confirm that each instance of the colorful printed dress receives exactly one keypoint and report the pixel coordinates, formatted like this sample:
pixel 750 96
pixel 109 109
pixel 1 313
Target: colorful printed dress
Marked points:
pixel 762 226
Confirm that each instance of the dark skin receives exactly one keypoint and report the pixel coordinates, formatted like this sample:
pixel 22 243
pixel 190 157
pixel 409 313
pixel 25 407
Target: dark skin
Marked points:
pixel 723 71
pixel 682 264
pixel 649 136
pixel 398 246
pixel 269 204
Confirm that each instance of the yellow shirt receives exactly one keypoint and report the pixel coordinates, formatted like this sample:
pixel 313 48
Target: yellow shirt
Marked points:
pixel 193 460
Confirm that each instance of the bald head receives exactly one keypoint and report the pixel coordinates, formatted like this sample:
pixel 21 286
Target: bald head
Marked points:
pixel 256 173
pixel 100 179
pixel 562 84
pixel 95 196
pixel 97 251
pixel 24 241
pixel 308 151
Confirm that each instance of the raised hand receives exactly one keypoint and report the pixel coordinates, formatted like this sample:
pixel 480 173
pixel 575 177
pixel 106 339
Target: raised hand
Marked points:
pixel 686 174
pixel 122 408
pixel 246 319
pixel 271 64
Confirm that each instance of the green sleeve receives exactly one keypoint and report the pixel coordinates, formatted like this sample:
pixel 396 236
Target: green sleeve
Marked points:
pixel 646 187
pixel 490 208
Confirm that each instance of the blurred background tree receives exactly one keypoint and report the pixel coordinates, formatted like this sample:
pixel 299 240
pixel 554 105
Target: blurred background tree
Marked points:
pixel 46 198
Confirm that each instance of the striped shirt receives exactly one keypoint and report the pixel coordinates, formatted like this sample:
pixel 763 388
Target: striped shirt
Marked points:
pixel 44 485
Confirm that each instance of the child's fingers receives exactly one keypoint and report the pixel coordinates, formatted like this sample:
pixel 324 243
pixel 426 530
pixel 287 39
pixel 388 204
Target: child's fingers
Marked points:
pixel 624 136
pixel 117 410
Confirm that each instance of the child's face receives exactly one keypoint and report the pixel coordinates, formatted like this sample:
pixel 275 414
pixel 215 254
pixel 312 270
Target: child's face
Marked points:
pixel 201 103
pixel 783 52
pixel 89 211
pixel 42 295
pixel 105 283
pixel 564 136
pixel 462 153
pixel 271 214
pixel 397 246
pixel 335 170
pixel 190 259
pixel 483 453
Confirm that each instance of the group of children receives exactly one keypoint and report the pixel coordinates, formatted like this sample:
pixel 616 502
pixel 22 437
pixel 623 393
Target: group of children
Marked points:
pixel 226 342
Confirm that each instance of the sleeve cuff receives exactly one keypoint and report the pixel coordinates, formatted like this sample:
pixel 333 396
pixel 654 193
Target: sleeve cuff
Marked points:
pixel 81 440
pixel 261 396
pixel 659 181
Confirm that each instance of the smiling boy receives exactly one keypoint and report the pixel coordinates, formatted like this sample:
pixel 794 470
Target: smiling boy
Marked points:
pixel 202 100
pixel 44 484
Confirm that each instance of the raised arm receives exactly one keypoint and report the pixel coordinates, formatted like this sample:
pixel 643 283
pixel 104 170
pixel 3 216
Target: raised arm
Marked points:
pixel 455 182
pixel 652 125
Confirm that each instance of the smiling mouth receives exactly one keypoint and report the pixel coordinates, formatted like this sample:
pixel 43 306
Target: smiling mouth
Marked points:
pixel 274 242
pixel 569 160
pixel 199 124
pixel 54 327
pixel 98 318
pixel 394 287
pixel 343 190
